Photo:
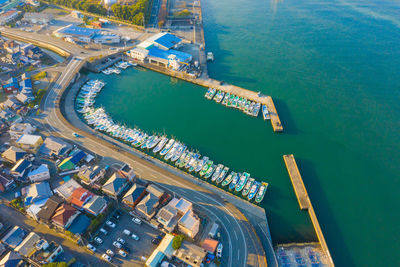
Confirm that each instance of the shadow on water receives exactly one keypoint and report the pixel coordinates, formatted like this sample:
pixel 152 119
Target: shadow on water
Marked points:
pixel 315 192
pixel 289 125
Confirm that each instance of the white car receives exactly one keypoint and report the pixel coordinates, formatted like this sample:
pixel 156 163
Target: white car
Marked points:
pixel 98 240
pixel 110 252
pixel 122 253
pixel 219 250
pixel 103 231
pixel 91 247
pixel 127 232
pixel 120 240
pixel 111 224
pixel 106 257
pixel 135 237
pixel 117 245
pixel 136 220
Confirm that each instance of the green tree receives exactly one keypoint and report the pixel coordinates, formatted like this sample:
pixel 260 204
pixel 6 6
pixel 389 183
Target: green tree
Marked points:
pixel 56 264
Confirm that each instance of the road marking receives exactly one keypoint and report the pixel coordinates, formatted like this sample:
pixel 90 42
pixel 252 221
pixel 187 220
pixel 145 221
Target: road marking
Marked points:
pixel 234 233
pixel 238 254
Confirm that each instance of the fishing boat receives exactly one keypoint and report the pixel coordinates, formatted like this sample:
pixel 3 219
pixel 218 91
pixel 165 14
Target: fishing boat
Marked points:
pixel 193 166
pixel 205 168
pixel 200 164
pixel 253 190
pixel 265 112
pixel 228 179
pixel 167 147
pixel 171 152
pixel 149 140
pixel 222 175
pixel 256 109
pixel 194 158
pixel 247 187
pixel 217 172
pixel 154 142
pixel 243 179
pixel 161 144
pixel 181 158
pixel 179 151
pixel 210 171
pixel 235 180
pixel 186 160
pixel 210 93
pixel 261 192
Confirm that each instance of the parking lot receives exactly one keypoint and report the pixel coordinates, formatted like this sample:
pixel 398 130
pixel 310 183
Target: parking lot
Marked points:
pixel 137 251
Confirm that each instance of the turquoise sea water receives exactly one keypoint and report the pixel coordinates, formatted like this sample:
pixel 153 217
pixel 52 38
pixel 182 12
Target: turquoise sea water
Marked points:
pixel 332 68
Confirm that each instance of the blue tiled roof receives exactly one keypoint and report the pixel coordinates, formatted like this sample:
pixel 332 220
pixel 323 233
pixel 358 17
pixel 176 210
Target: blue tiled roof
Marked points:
pixel 26 83
pixel 78 156
pixel 75 30
pixel 157 52
pixel 168 40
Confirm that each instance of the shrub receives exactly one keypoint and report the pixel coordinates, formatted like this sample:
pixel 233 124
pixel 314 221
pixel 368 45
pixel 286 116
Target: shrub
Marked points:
pixel 177 241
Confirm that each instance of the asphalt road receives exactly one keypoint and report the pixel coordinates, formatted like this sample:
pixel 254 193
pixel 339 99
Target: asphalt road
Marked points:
pixel 242 245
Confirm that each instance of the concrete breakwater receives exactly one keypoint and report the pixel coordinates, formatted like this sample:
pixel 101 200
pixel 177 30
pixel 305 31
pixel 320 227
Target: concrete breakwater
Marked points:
pixel 305 202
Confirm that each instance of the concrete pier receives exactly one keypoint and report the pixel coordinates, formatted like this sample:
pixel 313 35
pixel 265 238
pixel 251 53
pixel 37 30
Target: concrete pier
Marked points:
pixel 227 88
pixel 305 202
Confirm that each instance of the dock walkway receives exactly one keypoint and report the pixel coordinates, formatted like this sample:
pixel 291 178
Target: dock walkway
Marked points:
pixel 305 202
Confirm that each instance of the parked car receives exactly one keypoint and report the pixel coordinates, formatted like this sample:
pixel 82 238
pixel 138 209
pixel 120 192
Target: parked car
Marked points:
pixel 104 231
pixel 127 232
pixel 110 252
pixel 106 257
pixel 156 241
pixel 125 248
pixel 136 220
pixel 219 250
pixel 117 245
pixel 122 253
pixel 91 247
pixel 111 224
pixel 98 240
pixel 135 237
pixel 120 240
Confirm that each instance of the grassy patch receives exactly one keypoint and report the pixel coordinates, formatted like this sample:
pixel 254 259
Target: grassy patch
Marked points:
pixel 39 76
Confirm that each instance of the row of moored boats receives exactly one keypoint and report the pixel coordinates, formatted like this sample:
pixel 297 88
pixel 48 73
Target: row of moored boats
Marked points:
pixel 168 149
pixel 117 67
pixel 231 100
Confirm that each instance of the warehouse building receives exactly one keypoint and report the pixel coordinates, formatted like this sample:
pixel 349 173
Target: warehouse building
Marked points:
pixel 86 35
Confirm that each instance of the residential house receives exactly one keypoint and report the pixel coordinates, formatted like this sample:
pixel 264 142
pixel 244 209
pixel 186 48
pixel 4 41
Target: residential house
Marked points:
pixel 91 174
pixel 11 103
pixel 48 209
pixel 128 172
pixel 179 213
pixel 96 205
pixel 18 129
pixel 80 196
pixel 6 182
pixel 70 162
pixel 14 58
pixel 53 146
pixel 46 252
pixel 19 169
pixel 14 237
pixel 190 254
pixel 13 154
pixel 11 46
pixel 36 192
pixel 155 190
pixel 134 195
pixel 27 246
pixel 115 185
pixel 24 98
pixel 28 141
pixel 6 114
pixel 147 206
pixel 66 189
pixel 64 215
pixel 210 245
pixel 11 259
pixel 39 174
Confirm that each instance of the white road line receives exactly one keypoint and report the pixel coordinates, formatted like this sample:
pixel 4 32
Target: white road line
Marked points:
pixel 236 237
pixel 238 254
